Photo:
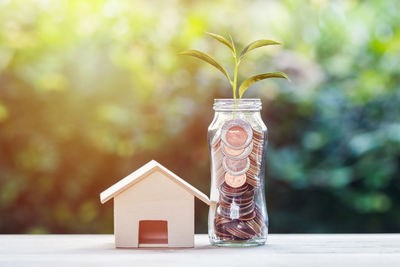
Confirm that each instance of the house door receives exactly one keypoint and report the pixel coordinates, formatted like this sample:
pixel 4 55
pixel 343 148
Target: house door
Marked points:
pixel 153 234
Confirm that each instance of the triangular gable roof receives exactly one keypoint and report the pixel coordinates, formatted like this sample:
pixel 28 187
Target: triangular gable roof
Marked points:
pixel 144 172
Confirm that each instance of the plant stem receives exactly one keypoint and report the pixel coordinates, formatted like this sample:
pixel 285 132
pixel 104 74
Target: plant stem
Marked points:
pixel 236 68
pixel 235 79
pixel 235 85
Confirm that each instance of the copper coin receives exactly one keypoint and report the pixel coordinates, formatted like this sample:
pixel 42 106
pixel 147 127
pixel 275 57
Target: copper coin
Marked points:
pixel 236 136
pixel 220 179
pixel 235 180
pixel 236 133
pixel 215 139
pixel 232 210
pixel 232 152
pixel 246 227
pixel 248 217
pixel 241 201
pixel 237 153
pixel 232 192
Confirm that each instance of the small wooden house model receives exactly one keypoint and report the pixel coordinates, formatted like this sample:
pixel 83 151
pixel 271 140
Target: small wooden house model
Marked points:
pixel 153 207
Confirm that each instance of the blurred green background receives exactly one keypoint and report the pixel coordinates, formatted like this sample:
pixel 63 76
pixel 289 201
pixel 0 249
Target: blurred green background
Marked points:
pixel 92 90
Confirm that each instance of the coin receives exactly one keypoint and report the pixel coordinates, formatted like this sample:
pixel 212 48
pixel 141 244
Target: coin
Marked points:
pixel 215 139
pixel 226 211
pixel 236 136
pixel 231 152
pixel 235 181
pixel 237 158
pixel 248 216
pixel 220 178
pixel 237 153
pixel 238 229
pixel 242 200
pixel 232 192
pixel 252 179
pixel 236 167
pixel 236 133
pixel 217 157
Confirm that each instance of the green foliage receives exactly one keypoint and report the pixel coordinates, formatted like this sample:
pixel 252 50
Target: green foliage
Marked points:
pixel 231 46
pixel 207 58
pixel 256 44
pixel 247 83
pixel 223 41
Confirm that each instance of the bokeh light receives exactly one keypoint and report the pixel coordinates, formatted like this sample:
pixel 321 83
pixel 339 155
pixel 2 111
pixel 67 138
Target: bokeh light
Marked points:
pixel 92 90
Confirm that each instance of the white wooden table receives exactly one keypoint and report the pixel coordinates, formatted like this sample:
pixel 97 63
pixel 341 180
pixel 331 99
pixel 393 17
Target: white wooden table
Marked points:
pixel 320 250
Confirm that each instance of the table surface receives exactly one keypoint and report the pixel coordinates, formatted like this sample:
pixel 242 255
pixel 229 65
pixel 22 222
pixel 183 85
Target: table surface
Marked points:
pixel 321 250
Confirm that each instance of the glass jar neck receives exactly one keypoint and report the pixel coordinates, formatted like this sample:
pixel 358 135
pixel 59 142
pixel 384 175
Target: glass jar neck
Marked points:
pixel 244 104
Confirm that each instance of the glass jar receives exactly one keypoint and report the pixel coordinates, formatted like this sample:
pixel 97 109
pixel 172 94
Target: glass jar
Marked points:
pixel 237 139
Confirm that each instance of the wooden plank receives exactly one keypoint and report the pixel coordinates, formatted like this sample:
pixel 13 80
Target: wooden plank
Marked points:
pixel 282 250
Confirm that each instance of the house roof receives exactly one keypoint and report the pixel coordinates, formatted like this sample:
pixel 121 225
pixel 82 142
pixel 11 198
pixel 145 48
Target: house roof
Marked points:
pixel 144 172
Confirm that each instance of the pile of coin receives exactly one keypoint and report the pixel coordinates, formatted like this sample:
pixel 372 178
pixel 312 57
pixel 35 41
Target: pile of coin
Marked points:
pixel 237 157
pixel 235 229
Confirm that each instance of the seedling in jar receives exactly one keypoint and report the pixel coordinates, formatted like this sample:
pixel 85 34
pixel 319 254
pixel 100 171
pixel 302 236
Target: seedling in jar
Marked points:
pixel 237 59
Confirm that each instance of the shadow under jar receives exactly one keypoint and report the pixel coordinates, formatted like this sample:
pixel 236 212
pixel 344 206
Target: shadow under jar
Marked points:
pixel 237 139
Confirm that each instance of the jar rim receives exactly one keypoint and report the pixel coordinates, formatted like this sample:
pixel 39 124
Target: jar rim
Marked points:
pixel 243 104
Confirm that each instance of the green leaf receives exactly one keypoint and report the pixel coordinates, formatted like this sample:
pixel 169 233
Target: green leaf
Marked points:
pixel 247 83
pixel 233 45
pixel 207 58
pixel 222 40
pixel 257 44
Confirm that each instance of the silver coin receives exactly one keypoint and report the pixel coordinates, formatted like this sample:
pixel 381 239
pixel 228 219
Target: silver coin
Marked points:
pixel 236 167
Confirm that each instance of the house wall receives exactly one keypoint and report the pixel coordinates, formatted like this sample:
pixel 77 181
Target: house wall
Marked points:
pixel 154 198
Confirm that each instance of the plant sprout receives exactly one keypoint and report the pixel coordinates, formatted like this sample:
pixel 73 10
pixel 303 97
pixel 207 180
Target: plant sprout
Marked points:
pixel 237 59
